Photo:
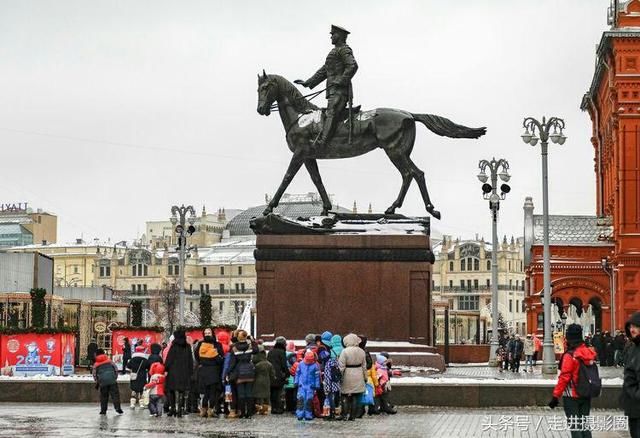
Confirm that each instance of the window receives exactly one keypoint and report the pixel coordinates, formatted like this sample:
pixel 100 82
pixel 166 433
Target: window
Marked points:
pixel 476 265
pixel 509 264
pixel 461 284
pixel 463 265
pixel 510 306
pixel 170 269
pixel 204 271
pixel 221 270
pixel 451 266
pixel 475 284
pixel 190 306
pixel 510 284
pixel 239 270
pixel 468 302
pixel 451 283
pixel 133 288
pixel 523 310
pixel 139 286
pixel 206 288
pixel 488 283
pixel 144 287
pixel 201 288
pixel 75 269
pixel 105 271
pixel 174 269
pixel 221 288
pixel 221 306
pixel 488 265
pixel 242 287
pixel 237 288
pixel 517 306
pixel 140 270
pixel 468 284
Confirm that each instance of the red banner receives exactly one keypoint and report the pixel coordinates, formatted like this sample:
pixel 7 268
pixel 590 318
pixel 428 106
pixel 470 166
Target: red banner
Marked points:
pixel 29 354
pixel 136 337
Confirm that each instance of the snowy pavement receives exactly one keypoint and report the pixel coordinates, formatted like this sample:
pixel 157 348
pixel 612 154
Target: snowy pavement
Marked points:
pixel 82 420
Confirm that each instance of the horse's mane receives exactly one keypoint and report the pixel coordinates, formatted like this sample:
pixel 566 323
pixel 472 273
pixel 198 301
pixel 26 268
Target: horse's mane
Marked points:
pixel 295 97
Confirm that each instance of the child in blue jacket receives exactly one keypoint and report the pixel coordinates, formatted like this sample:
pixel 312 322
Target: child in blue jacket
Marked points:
pixel 308 381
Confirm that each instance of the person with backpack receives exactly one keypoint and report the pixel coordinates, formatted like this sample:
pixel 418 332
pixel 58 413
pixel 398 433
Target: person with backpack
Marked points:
pixel 139 366
pixel 243 372
pixel 277 356
pixel 209 360
pixel 331 385
pixel 578 381
pixel 105 374
pixel 630 397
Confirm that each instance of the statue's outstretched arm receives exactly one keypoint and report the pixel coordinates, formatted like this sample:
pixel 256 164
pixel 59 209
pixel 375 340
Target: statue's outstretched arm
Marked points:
pixel 318 77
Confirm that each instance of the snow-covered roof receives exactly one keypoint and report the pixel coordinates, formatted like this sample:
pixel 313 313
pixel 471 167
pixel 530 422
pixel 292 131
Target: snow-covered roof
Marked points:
pixel 571 230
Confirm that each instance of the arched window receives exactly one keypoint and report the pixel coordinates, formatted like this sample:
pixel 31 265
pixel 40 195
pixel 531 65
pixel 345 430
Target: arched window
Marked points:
pixel 476 264
pixel 488 265
pixel 451 266
pixel 463 265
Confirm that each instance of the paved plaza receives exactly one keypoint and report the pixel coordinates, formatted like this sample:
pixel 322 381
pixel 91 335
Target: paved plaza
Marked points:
pixel 82 420
pixel 486 372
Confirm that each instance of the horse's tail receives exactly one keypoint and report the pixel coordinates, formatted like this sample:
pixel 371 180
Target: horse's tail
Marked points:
pixel 446 128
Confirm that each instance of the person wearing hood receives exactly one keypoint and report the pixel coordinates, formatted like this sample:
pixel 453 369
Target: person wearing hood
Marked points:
pixel 179 366
pixel 138 365
pixel 372 378
pixel 353 366
pixel 209 361
pixel 243 372
pixel 630 397
pixel 577 353
pixel 384 387
pixel 307 380
pixel 105 374
pixel 336 344
pixel 331 387
pixel 265 377
pixel 156 354
pixel 156 389
pixel 278 359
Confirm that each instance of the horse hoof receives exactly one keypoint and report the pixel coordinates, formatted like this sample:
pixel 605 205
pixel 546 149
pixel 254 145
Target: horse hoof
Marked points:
pixel 434 213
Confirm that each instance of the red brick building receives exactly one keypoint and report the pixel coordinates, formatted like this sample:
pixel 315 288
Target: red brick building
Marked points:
pixel 595 268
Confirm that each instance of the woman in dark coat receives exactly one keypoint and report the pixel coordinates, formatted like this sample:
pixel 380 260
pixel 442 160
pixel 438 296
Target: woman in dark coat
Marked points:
pixel 179 366
pixel 243 372
pixel 139 365
pixel 278 358
pixel 126 354
pixel 209 361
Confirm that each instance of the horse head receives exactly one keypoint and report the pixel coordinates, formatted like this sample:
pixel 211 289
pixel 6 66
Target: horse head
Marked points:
pixel 267 93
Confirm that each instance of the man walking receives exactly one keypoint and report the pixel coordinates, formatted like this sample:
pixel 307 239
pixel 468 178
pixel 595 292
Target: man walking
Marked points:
pixel 338 69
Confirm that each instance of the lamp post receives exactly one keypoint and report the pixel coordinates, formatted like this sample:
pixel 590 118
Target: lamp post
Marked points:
pixel 496 168
pixel 609 270
pixel 179 217
pixel 530 125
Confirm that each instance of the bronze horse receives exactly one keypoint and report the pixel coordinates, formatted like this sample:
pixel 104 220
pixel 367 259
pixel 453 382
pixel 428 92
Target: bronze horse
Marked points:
pixel 392 130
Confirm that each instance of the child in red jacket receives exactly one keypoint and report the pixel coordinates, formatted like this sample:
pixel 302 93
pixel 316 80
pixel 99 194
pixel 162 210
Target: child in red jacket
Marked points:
pixel 156 385
pixel 576 352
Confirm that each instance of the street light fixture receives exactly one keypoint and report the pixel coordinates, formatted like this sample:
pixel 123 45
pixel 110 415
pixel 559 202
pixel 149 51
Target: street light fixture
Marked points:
pixel 490 192
pixel 179 219
pixel 530 125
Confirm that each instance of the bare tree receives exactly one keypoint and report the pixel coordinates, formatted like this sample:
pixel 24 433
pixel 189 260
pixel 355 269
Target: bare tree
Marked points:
pixel 169 294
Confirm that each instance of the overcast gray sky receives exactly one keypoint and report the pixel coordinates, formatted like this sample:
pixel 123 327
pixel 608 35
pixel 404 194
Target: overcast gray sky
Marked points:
pixel 112 111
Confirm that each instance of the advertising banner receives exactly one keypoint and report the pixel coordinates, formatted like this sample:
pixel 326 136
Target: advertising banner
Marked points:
pixel 558 343
pixel 29 354
pixel 145 337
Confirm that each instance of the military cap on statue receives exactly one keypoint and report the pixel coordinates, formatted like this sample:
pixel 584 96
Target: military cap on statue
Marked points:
pixel 335 28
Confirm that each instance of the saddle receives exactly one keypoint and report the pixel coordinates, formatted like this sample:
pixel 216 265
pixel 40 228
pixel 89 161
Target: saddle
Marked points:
pixel 344 115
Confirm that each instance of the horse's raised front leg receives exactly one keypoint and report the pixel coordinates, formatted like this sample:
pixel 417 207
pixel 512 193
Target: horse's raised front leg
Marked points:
pixel 294 167
pixel 312 167
pixel 405 171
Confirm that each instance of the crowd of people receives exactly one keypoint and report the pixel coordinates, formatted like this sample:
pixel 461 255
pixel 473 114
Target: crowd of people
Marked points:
pixel 234 375
pixel 609 350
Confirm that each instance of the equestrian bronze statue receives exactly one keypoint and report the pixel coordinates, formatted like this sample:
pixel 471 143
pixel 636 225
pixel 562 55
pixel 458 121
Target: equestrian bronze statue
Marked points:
pixel 356 133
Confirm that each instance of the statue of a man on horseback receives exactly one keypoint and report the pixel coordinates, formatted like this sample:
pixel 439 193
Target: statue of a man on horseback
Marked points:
pixel 389 129
pixel 338 69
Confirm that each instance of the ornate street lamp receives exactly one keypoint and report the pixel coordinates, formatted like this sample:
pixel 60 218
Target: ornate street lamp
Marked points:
pixel 543 129
pixel 497 168
pixel 179 217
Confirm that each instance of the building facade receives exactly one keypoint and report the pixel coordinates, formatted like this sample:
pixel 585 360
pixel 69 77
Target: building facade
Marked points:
pixel 462 283
pixel 21 225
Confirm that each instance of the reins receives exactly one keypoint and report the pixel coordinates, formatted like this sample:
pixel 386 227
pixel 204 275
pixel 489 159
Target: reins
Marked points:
pixel 311 96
